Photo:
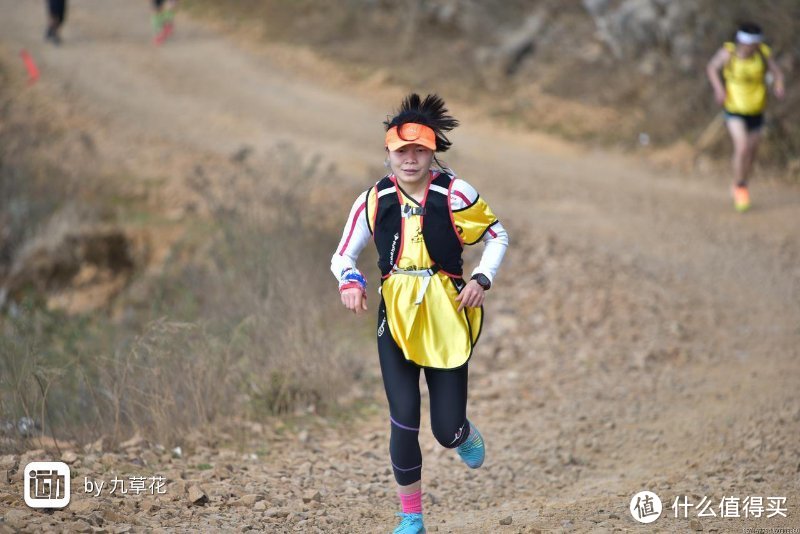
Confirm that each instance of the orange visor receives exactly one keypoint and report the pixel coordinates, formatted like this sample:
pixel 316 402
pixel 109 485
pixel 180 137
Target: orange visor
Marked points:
pixel 410 132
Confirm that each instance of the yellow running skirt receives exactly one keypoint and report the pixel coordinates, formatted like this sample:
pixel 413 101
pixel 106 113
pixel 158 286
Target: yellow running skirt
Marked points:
pixel 431 333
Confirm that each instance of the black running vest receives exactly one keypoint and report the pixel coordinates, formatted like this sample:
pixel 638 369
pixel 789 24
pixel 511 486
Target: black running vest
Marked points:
pixel 438 232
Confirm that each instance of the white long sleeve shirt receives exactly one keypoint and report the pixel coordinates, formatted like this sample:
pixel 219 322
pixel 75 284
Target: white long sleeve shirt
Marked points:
pixel 357 234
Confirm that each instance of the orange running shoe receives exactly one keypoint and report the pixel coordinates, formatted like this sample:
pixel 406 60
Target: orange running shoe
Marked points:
pixel 741 198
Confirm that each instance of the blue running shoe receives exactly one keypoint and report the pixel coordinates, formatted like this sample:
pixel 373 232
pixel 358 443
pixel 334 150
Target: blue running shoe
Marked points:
pixel 472 451
pixel 410 524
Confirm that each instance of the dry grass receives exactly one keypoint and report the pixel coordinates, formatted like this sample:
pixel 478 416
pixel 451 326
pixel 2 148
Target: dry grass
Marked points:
pixel 243 320
pixel 245 326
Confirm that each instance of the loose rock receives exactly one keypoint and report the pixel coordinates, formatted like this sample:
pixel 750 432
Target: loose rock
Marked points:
pixel 197 496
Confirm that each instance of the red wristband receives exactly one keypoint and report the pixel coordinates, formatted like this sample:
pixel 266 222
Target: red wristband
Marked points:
pixel 351 285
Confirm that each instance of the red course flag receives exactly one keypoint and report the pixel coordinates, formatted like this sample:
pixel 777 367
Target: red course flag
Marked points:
pixel 33 70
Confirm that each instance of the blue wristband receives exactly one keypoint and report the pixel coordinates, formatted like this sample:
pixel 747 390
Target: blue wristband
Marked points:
pixel 355 276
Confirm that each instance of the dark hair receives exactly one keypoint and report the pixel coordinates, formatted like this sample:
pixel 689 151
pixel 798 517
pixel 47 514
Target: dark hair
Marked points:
pixel 750 27
pixel 430 112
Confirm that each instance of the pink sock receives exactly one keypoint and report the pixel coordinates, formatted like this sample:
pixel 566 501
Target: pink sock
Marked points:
pixel 411 502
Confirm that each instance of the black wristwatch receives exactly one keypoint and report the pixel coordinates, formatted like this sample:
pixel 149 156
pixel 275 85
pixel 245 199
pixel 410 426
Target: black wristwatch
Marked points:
pixel 482 280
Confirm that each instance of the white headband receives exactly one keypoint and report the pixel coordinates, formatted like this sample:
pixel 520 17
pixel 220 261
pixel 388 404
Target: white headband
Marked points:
pixel 748 38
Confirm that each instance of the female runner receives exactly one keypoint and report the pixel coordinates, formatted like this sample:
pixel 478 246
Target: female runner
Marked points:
pixel 742 91
pixel 420 216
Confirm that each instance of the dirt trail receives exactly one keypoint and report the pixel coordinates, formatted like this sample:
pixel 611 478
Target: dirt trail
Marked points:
pixel 642 335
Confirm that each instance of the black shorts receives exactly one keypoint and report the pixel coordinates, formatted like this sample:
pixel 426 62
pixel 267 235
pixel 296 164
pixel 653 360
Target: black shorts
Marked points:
pixel 158 3
pixel 57 9
pixel 753 123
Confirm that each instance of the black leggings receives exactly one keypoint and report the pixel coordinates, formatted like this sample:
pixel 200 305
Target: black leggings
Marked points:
pixel 448 400
pixel 57 10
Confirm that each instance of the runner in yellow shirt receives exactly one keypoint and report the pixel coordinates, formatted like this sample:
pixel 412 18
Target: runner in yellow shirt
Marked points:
pixel 163 19
pixel 742 91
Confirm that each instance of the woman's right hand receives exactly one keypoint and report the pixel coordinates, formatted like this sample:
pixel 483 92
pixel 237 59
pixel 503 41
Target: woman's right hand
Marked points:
pixel 719 96
pixel 354 300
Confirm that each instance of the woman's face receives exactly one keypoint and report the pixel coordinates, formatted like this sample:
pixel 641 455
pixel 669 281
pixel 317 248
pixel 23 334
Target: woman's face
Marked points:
pixel 411 163
pixel 747 50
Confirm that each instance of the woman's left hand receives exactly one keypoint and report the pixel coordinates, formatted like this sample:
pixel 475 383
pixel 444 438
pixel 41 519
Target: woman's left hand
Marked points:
pixel 471 296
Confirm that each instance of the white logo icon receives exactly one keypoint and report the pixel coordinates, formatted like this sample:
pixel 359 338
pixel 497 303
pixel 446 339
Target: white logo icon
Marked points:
pixel 458 434
pixel 47 484
pixel 645 507
pixel 394 244
pixel 380 328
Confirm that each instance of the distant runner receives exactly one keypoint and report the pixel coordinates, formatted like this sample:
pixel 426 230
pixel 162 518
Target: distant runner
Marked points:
pixel 742 91
pixel 420 216
pixel 57 14
pixel 163 19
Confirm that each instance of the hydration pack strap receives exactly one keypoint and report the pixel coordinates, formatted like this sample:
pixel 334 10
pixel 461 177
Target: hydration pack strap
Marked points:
pixel 426 275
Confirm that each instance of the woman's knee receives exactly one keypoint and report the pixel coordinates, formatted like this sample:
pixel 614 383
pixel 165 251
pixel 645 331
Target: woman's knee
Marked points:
pixel 449 434
pixel 404 413
pixel 741 150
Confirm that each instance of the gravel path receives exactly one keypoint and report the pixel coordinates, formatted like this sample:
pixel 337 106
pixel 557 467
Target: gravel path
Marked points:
pixel 641 334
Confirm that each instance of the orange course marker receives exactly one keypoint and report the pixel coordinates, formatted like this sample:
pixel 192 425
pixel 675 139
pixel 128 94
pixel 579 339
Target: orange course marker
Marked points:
pixel 30 64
